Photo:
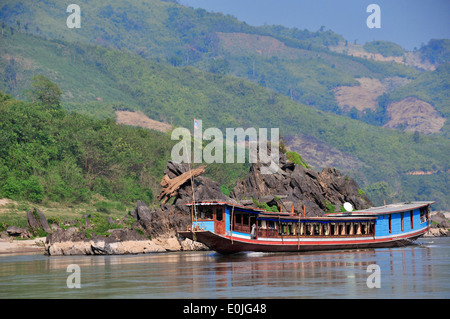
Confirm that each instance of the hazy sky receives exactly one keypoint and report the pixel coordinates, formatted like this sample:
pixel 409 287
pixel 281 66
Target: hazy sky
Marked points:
pixel 406 22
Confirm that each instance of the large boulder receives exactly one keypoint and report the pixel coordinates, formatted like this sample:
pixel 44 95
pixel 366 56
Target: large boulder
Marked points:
pixel 119 242
pixel 144 216
pixel 37 223
pixel 43 221
pixel 32 221
pixel 439 221
pixel 297 187
pixel 15 231
pixel 160 221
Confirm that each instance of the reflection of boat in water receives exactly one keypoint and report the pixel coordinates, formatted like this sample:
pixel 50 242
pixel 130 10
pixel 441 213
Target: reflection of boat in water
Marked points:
pixel 229 228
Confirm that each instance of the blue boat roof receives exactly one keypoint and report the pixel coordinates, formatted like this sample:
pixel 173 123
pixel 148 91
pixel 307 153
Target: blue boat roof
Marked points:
pixel 386 209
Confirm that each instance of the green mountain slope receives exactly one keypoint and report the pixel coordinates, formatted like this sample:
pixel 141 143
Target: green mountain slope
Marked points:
pixel 305 70
pixel 53 155
pixel 296 63
pixel 432 87
pixel 84 87
pixel 177 95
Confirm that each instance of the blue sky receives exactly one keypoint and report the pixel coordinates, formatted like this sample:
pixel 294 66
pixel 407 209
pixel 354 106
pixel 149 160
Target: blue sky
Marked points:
pixel 409 23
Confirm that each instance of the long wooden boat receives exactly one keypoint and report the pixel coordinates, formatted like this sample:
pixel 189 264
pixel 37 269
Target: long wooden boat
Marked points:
pixel 230 228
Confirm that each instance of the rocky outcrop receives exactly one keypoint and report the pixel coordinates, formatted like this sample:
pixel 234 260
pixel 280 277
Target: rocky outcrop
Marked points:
pixel 154 231
pixel 15 231
pixel 204 188
pixel 119 242
pixel 440 226
pixel 36 220
pixel 437 232
pixel 296 186
pixel 75 243
pixel 36 223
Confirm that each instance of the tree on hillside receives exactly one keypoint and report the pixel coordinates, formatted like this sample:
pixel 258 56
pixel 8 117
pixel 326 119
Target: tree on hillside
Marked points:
pixel 10 74
pixel 46 92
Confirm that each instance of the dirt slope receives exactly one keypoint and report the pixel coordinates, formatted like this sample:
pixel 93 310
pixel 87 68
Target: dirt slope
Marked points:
pixel 140 119
pixel 413 114
pixel 364 96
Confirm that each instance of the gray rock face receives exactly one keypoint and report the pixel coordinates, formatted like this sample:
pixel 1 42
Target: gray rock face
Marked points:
pixel 297 186
pixel 40 223
pixel 144 216
pixel 440 221
pixel 15 231
pixel 120 241
pixel 31 220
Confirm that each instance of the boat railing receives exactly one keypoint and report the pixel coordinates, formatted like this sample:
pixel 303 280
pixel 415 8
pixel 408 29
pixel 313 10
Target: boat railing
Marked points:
pixel 312 229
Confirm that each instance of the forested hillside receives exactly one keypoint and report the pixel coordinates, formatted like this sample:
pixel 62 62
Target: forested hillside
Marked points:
pixel 301 64
pixel 432 87
pixel 48 154
pixel 175 63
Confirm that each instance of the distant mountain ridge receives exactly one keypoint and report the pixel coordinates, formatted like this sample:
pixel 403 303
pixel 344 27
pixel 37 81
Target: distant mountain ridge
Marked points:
pixel 301 64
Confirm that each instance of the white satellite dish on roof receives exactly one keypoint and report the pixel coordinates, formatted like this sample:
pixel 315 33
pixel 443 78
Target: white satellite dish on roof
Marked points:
pixel 348 207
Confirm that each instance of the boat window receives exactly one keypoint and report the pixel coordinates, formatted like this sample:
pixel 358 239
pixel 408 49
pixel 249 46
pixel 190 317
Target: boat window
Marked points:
pixel 357 230
pixel 363 228
pixel 332 228
pixel 327 229
pixel 316 229
pixel 262 224
pixel 306 229
pixel 241 222
pixel 403 220
pixel 301 228
pixel 320 229
pixel 205 213
pixel 411 216
pixel 341 229
pixel 245 219
pixel 390 223
pixel 423 214
pixel 286 229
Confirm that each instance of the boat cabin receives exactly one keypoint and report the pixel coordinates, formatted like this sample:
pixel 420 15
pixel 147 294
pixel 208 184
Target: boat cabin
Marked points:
pixel 239 221
pixel 396 219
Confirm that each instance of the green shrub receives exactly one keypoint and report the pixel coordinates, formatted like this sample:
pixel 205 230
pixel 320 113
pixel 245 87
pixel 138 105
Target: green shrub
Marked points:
pixel 385 48
pixel 109 207
pixel 330 208
pixel 296 158
pixel 265 206
pixel 12 188
pixel 34 190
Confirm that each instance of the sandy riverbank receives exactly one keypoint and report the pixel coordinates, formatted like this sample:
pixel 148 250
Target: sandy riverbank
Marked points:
pixel 9 246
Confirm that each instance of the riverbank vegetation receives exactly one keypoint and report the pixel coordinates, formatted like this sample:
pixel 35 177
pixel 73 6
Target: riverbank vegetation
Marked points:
pixel 48 154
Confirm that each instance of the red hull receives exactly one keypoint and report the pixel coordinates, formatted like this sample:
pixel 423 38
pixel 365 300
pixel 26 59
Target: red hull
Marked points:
pixel 228 245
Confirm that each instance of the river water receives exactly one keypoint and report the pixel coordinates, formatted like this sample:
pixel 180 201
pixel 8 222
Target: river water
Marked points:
pixel 418 271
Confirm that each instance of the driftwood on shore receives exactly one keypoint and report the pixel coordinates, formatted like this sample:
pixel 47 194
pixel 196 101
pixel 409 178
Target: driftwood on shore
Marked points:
pixel 170 186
